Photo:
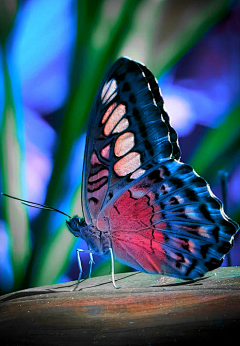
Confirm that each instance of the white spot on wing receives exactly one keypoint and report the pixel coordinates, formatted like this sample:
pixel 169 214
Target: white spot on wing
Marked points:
pixel 121 126
pixel 124 144
pixel 137 173
pixel 109 91
pixel 108 112
pixel 127 164
pixel 115 117
pixel 137 193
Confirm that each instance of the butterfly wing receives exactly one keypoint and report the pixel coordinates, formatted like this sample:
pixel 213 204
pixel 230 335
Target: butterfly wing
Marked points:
pixel 169 222
pixel 161 217
pixel 129 133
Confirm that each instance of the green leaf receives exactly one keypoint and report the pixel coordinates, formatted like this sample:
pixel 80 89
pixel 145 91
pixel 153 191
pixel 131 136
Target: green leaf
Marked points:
pixel 219 147
pixel 55 251
pixel 163 31
pixel 179 25
pixel 12 159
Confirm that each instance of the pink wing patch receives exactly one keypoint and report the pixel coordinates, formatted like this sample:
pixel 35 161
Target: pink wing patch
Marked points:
pixel 97 183
pixel 136 224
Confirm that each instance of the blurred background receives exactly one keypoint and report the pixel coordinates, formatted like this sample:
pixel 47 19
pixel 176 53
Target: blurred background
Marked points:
pixel 53 55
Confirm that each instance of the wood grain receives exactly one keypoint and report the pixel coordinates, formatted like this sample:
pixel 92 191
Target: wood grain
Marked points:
pixel 146 310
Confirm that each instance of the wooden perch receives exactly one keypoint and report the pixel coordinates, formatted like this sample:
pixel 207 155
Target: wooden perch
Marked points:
pixel 146 310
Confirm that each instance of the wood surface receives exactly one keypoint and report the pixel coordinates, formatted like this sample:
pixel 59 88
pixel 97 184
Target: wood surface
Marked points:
pixel 146 310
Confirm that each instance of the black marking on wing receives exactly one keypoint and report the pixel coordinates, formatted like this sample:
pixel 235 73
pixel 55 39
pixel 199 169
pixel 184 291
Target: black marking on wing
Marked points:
pixel 155 177
pixel 126 87
pixel 131 195
pixel 132 98
pixel 205 212
pixel 104 181
pixel 93 199
pixel 97 181
pixel 173 201
pixel 192 266
pixel 192 195
pixel 115 207
pixel 95 169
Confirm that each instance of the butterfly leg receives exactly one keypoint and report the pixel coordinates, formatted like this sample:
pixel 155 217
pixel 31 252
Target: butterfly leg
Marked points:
pixel 112 268
pixel 79 264
pixel 91 262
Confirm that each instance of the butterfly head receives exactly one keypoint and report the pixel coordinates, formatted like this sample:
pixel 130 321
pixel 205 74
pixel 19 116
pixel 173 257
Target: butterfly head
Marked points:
pixel 75 224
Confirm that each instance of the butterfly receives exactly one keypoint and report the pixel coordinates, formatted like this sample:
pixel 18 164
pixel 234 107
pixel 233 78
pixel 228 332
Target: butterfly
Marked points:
pixel 140 203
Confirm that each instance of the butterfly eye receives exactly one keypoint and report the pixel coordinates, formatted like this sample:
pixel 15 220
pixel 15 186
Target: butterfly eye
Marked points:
pixel 74 223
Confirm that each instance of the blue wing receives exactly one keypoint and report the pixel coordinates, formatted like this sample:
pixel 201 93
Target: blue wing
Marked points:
pixel 128 134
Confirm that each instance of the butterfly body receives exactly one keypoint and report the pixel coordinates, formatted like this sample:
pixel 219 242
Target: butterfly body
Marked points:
pixel 154 212
pixel 98 242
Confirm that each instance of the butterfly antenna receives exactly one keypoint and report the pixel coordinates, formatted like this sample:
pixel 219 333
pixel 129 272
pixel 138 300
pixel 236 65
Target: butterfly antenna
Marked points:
pixel 35 205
